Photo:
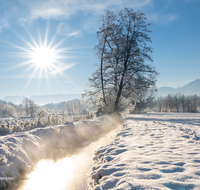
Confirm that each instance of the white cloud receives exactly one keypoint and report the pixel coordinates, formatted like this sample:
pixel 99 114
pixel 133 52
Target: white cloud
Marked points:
pixel 62 9
pixel 61 68
pixel 3 24
pixel 69 82
pixel 63 29
pixel 89 10
pixel 161 18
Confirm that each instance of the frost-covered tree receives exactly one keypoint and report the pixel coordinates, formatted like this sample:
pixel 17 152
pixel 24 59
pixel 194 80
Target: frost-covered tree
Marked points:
pixel 176 102
pixel 6 110
pixel 122 72
pixel 41 114
pixel 179 103
pixel 74 109
pixel 68 109
pixel 159 104
pixel 47 109
pixel 182 102
pixel 145 101
pixel 19 110
pixel 32 108
pixel 29 107
pixel 55 110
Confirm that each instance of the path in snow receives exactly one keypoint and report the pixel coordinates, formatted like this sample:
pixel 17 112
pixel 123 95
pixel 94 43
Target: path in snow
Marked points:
pixel 153 151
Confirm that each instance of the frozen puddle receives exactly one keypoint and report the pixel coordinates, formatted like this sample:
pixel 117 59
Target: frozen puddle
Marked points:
pixel 68 173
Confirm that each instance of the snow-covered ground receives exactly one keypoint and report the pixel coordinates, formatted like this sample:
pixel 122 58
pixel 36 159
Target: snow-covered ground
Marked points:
pixel 19 152
pixel 153 151
pixel 21 124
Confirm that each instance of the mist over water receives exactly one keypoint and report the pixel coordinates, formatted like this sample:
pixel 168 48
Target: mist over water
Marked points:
pixel 69 173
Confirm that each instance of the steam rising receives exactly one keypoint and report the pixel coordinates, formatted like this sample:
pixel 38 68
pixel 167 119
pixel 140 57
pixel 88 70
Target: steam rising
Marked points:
pixel 66 149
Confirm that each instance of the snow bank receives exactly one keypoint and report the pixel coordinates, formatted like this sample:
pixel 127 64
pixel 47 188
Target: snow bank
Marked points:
pixel 153 151
pixel 19 152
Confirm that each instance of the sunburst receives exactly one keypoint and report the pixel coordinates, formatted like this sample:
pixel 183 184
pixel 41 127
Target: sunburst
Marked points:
pixel 44 58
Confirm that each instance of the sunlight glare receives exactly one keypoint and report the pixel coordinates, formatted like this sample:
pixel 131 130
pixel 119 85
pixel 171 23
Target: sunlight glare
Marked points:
pixel 43 57
pixel 50 175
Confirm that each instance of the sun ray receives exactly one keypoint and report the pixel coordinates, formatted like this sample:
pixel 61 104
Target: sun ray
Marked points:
pixel 24 40
pixel 47 81
pixel 17 66
pixel 30 79
pixel 32 38
pixel 59 43
pixel 52 41
pixel 46 34
pixel 27 69
pixel 15 46
pixel 45 58
pixel 39 36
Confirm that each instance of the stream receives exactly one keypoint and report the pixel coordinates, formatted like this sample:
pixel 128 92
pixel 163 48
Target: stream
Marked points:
pixel 69 173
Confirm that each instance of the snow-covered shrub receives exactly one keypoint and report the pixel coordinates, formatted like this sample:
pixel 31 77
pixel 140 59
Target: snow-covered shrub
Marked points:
pixel 4 130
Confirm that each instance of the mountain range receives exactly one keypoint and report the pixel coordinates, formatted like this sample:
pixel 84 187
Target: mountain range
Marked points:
pixel 43 99
pixel 189 89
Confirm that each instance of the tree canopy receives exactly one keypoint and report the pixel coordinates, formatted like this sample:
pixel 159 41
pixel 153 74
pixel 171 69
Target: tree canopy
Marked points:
pixel 123 51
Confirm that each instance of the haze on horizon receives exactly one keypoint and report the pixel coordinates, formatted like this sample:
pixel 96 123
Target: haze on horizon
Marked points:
pixel 66 30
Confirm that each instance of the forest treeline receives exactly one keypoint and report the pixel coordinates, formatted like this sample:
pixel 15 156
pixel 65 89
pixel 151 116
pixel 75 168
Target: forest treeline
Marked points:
pixel 178 103
pixel 73 110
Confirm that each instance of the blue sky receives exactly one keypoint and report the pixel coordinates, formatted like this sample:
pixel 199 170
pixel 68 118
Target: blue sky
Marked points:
pixel 71 27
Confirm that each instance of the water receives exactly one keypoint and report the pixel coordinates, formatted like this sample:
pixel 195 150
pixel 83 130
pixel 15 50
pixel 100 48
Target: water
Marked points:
pixel 69 173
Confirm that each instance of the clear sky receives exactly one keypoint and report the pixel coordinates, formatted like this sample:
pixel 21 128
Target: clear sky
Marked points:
pixel 28 28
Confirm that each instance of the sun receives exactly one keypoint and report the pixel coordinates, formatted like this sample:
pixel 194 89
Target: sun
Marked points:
pixel 43 57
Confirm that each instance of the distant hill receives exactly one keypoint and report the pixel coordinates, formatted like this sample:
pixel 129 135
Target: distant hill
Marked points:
pixel 43 99
pixel 60 105
pixel 189 89
pixel 14 99
pixel 7 103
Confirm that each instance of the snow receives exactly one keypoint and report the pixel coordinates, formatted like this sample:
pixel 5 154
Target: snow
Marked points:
pixel 153 151
pixel 19 152
pixel 21 124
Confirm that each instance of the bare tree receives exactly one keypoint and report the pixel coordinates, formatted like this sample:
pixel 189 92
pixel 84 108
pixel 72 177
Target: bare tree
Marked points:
pixel 145 101
pixel 29 106
pixel 25 104
pixel 32 108
pixel 41 114
pixel 55 110
pixel 6 110
pixel 122 50
pixel 182 102
pixel 67 109
pixel 179 102
pixel 176 102
pixel 159 104
pixel 19 110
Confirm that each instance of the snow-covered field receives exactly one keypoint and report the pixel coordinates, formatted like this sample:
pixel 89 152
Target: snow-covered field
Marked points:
pixel 19 152
pixel 153 151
